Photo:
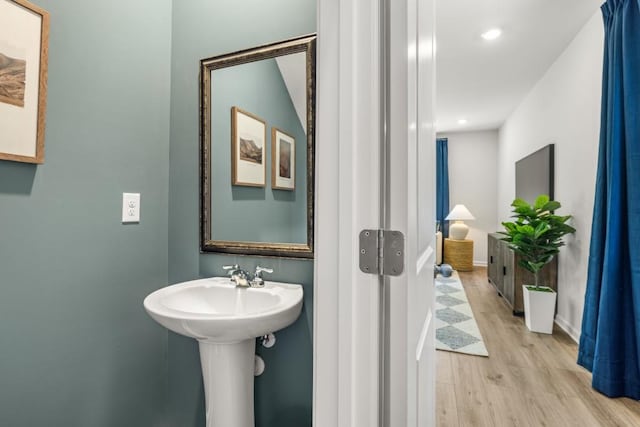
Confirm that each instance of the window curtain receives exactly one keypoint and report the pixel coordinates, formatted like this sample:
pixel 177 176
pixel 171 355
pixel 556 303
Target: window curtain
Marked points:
pixel 610 338
pixel 442 184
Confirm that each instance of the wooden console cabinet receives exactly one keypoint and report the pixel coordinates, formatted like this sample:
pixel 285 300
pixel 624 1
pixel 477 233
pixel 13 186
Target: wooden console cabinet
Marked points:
pixel 508 277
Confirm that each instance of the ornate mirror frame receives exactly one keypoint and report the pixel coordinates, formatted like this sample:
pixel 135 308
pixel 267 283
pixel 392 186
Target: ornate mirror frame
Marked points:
pixel 207 243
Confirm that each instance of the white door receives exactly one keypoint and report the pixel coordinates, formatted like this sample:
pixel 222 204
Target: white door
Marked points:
pixel 366 374
pixel 412 188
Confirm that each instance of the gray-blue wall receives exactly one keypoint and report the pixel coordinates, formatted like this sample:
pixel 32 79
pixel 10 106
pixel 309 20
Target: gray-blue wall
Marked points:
pixel 76 347
pixel 202 29
pixel 255 214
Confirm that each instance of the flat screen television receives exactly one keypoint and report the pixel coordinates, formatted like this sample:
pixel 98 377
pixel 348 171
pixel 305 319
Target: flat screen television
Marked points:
pixel 534 174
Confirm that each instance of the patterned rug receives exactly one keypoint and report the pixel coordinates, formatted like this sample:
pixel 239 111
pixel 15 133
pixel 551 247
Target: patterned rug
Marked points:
pixel 456 328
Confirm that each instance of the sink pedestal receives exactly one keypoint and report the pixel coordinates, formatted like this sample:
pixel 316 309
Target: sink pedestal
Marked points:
pixel 226 320
pixel 227 371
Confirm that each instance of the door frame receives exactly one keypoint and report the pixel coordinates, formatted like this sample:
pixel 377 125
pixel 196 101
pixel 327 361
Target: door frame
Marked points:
pixel 346 301
pixel 348 198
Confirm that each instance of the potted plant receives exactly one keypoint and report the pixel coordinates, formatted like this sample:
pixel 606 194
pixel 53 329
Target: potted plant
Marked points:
pixel 536 234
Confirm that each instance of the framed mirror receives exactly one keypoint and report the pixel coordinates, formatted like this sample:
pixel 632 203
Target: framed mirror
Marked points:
pixel 257 130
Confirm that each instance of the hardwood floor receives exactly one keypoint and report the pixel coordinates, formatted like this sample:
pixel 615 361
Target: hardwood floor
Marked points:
pixel 528 379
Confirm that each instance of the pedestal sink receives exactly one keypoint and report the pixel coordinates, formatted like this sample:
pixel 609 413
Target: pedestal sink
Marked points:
pixel 226 320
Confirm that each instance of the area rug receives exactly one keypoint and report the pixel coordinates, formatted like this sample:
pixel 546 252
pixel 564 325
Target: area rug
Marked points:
pixel 456 328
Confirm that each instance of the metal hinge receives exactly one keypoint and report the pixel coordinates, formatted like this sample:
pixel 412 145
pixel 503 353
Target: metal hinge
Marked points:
pixel 382 252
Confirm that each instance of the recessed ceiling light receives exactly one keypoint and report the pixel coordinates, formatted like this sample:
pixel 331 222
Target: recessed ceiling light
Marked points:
pixel 463 121
pixel 492 34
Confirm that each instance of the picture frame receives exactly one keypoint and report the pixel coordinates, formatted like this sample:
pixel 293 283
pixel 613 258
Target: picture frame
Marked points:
pixel 283 160
pixel 248 149
pixel 24 46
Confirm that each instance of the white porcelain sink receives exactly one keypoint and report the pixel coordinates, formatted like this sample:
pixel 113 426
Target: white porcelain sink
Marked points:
pixel 226 319
pixel 216 310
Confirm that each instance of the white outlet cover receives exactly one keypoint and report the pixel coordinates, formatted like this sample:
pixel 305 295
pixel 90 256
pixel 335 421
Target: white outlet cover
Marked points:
pixel 130 207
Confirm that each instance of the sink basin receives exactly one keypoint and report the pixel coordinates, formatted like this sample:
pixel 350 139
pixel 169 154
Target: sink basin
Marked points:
pixel 216 310
pixel 226 320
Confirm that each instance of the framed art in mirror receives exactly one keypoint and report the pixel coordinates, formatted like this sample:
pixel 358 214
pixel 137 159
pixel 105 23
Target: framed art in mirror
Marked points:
pixel 283 160
pixel 248 139
pixel 268 90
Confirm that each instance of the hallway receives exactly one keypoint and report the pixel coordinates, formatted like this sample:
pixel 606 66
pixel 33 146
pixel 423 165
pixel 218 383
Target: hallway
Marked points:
pixel 528 380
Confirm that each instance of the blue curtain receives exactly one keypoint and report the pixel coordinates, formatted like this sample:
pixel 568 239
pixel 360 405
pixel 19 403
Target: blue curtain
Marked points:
pixel 610 339
pixel 442 184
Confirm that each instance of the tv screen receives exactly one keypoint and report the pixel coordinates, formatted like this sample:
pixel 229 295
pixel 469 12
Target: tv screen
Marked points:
pixel 534 174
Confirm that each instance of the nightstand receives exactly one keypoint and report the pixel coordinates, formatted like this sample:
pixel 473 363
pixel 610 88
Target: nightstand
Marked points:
pixel 459 254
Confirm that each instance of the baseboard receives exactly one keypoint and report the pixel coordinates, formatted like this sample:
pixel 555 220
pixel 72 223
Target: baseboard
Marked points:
pixel 479 263
pixel 570 330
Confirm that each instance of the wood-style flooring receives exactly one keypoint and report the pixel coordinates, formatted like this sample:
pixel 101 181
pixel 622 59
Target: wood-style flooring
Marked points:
pixel 528 379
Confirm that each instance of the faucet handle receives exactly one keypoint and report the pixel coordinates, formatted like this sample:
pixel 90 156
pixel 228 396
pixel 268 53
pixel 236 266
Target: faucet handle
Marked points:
pixel 258 281
pixel 232 268
pixel 260 270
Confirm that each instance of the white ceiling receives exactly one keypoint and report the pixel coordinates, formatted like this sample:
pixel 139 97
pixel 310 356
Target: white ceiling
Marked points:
pixel 485 81
pixel 293 69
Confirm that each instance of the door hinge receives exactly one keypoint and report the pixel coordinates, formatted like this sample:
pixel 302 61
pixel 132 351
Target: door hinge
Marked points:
pixel 382 252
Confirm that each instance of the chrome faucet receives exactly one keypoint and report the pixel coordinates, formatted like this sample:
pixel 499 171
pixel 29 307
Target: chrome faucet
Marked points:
pixel 243 278
pixel 238 276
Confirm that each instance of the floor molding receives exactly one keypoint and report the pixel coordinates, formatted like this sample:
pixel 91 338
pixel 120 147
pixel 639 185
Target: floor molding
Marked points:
pixel 479 263
pixel 570 330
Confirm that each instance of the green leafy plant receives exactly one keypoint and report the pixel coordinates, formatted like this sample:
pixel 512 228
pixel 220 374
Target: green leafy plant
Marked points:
pixel 536 234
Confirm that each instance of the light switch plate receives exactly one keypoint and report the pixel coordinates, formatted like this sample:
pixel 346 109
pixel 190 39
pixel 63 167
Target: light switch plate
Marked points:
pixel 130 207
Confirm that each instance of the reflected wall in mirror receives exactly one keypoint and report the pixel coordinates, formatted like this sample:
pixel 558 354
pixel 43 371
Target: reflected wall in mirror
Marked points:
pixel 257 122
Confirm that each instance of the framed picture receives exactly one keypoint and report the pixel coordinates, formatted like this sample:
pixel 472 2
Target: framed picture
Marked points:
pixel 283 160
pixel 24 41
pixel 248 154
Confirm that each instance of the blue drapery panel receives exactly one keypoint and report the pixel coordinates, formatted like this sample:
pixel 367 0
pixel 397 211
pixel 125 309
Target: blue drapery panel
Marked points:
pixel 610 338
pixel 442 184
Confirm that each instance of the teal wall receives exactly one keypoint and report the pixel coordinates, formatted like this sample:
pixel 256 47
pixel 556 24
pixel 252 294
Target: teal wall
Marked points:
pixel 77 348
pixel 202 29
pixel 258 214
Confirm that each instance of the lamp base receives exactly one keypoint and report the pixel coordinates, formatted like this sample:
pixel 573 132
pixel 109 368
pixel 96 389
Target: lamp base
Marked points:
pixel 458 230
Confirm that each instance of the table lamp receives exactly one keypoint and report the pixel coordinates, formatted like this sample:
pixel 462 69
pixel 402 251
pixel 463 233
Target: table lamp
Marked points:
pixel 459 230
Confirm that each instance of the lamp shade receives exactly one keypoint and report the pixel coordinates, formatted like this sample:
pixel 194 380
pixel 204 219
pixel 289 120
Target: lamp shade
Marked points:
pixel 459 213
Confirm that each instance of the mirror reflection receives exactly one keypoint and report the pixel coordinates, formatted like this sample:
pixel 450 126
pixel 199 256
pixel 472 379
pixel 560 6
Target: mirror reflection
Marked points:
pixel 257 150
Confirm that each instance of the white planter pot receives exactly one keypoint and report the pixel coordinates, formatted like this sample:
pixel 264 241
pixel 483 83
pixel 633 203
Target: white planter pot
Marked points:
pixel 539 310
